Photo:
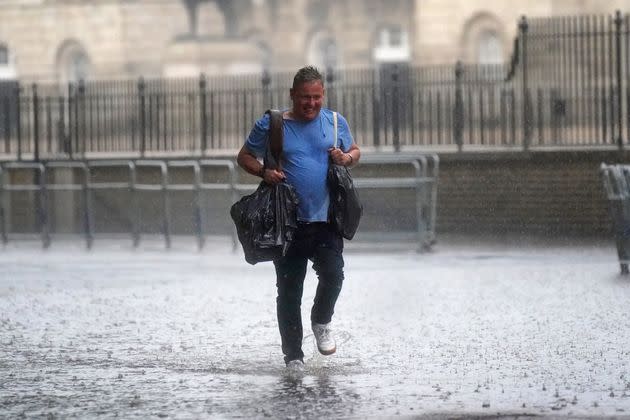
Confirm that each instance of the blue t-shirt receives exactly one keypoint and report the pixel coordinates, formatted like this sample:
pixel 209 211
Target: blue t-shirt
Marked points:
pixel 306 157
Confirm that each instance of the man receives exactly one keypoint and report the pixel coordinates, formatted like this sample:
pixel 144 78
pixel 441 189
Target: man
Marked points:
pixel 308 147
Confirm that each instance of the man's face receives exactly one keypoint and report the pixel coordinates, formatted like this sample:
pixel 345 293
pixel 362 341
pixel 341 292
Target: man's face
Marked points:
pixel 307 100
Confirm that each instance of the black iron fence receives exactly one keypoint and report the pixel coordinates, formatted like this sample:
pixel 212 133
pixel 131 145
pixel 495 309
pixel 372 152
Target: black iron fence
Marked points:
pixel 567 85
pixel 387 109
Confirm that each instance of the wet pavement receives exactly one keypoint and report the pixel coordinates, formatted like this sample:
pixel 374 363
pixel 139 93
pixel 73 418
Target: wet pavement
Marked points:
pixel 490 329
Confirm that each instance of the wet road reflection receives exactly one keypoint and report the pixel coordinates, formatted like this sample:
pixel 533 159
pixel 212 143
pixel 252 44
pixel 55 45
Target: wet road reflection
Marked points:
pixel 183 335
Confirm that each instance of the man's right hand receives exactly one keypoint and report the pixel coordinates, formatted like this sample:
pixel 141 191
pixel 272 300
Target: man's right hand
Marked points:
pixel 273 176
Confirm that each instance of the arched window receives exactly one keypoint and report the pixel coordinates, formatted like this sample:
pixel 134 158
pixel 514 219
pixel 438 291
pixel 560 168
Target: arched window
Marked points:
pixel 73 63
pixel 323 51
pixel 489 48
pixel 78 65
pixel 483 40
pixel 392 44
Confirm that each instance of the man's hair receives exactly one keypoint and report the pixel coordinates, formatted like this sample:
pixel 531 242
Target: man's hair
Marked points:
pixel 307 74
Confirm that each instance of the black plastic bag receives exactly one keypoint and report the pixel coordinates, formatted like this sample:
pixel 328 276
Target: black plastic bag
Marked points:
pixel 266 221
pixel 345 207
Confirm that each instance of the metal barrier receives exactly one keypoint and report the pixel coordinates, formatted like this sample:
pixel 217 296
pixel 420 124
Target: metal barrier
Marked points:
pixel 128 185
pixel 229 186
pixel 3 224
pixel 163 187
pixel 82 186
pixel 195 188
pixel 38 185
pixel 423 182
pixel 616 179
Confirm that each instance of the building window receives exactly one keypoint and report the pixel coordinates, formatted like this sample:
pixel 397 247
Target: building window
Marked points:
pixel 328 52
pixel 392 45
pixel 4 55
pixel 7 63
pixel 73 63
pixel 489 48
pixel 323 52
pixel 483 40
pixel 78 66
pixel 392 37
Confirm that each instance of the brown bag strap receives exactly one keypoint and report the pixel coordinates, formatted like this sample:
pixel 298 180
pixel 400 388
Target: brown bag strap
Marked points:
pixel 273 157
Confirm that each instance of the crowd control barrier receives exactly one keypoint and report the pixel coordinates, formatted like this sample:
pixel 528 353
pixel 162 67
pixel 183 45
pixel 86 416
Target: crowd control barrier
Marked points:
pixel 127 183
pixel 616 179
pixel 3 223
pixel 165 178
pixel 34 183
pixel 423 183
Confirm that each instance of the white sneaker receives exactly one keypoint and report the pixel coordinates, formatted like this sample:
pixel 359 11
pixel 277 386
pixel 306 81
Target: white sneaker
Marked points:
pixel 295 366
pixel 325 341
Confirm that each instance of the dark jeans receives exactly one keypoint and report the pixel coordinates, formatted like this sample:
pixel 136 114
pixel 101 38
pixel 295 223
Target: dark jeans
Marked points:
pixel 320 243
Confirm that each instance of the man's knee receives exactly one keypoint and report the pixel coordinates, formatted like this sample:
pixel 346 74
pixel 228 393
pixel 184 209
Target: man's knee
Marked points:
pixel 290 296
pixel 329 267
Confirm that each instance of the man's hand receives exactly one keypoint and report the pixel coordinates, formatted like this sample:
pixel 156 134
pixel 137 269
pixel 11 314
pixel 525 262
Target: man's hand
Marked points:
pixel 339 157
pixel 273 176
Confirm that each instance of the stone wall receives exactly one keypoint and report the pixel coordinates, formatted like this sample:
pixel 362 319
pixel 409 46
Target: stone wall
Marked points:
pixel 541 193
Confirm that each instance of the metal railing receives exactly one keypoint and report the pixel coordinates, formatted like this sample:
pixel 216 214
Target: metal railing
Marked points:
pixel 616 180
pixel 567 84
pixel 38 182
pixel 140 177
pixel 82 186
pixel 128 184
pixel 423 183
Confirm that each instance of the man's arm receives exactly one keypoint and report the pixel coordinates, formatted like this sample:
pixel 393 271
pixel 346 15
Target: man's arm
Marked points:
pixel 350 158
pixel 250 164
pixel 355 155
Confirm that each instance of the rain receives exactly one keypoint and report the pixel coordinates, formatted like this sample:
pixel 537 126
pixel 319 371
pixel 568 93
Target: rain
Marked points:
pixel 484 281
pixel 494 327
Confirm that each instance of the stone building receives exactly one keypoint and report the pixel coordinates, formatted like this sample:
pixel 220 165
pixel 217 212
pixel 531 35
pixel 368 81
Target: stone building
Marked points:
pixel 66 40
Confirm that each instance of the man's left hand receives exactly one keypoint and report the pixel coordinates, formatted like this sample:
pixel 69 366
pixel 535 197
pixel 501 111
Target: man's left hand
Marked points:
pixel 339 157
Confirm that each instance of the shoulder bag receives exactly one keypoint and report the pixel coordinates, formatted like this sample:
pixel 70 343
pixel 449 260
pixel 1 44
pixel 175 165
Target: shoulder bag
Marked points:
pixel 345 209
pixel 266 219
